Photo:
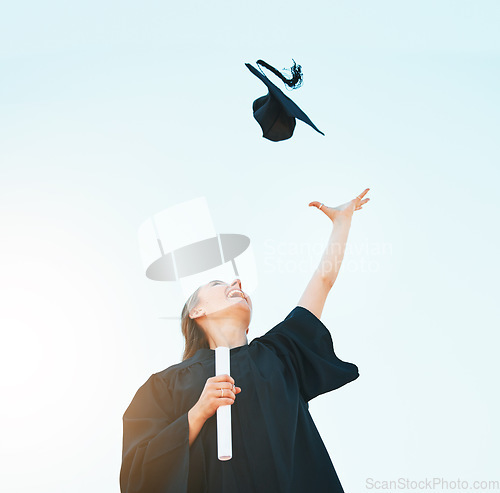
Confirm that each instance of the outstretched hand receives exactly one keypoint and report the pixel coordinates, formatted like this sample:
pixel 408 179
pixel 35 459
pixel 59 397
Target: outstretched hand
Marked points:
pixel 344 211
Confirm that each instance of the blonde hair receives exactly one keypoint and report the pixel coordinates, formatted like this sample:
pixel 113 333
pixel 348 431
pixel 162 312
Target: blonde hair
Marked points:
pixel 194 335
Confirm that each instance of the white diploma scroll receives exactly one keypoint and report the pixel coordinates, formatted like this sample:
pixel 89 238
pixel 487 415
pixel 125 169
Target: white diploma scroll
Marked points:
pixel 224 441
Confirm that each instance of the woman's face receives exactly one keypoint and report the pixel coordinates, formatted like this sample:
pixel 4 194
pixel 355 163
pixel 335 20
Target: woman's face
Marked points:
pixel 219 295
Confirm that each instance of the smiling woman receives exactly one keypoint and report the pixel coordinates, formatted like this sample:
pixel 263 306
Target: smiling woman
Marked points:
pixel 170 427
pixel 223 311
pixel 216 314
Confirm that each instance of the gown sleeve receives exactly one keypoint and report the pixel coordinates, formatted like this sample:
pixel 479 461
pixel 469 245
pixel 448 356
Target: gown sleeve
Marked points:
pixel 155 455
pixel 305 346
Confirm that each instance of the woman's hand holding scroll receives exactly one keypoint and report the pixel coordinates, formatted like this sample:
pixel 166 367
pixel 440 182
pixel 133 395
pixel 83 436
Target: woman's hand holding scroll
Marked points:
pixel 210 400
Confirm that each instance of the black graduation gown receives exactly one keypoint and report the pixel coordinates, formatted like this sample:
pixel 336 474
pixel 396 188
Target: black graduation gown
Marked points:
pixel 276 445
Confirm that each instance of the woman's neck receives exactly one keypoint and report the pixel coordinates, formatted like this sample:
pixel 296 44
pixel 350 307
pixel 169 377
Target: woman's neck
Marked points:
pixel 218 340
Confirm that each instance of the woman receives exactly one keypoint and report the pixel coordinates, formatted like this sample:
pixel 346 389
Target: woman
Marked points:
pixel 170 427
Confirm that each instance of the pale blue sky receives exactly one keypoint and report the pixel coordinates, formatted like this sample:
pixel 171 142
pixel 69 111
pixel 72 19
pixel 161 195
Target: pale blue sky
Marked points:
pixel 113 111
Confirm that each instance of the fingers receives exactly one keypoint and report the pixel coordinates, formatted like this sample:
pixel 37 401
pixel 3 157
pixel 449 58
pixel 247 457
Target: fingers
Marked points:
pixel 322 207
pixel 363 193
pixel 212 397
pixel 317 204
pixel 222 385
pixel 225 382
pixel 225 402
pixel 359 202
pixel 227 389
pixel 359 206
pixel 222 378
pixel 227 396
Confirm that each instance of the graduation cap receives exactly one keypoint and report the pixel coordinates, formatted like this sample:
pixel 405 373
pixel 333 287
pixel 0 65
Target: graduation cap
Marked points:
pixel 275 112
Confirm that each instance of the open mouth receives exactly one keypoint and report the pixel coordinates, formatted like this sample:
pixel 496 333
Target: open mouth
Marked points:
pixel 236 293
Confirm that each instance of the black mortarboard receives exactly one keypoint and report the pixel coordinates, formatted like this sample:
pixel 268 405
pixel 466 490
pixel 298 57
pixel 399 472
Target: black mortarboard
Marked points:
pixel 276 112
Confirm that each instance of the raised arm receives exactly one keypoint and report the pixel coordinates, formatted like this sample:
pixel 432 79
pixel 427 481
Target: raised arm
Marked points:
pixel 324 276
